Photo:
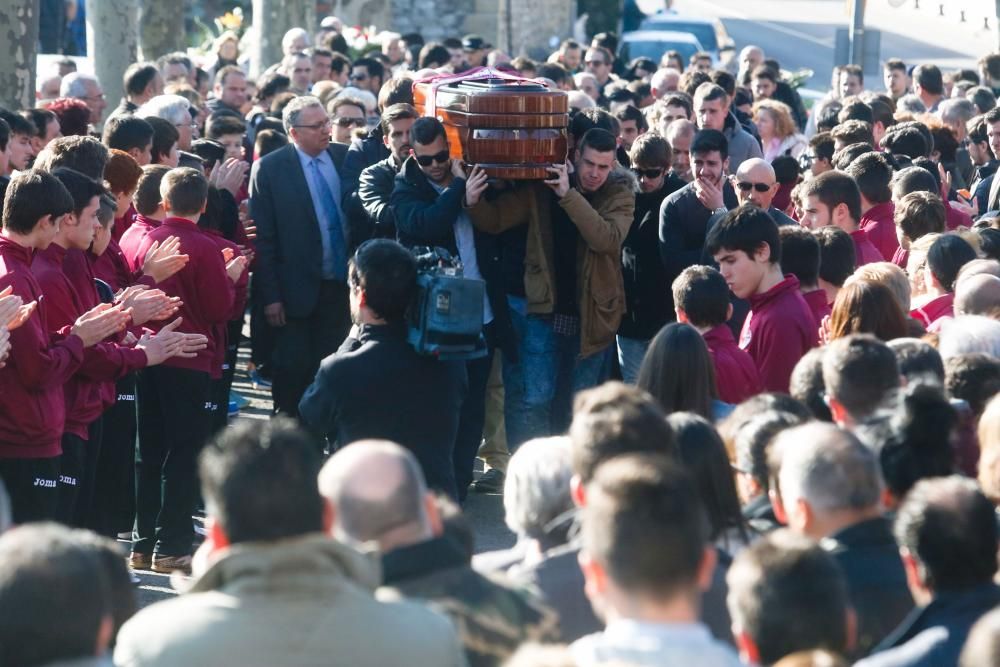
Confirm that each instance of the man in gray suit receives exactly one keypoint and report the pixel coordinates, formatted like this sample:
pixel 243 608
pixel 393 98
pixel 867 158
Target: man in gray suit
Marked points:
pixel 302 249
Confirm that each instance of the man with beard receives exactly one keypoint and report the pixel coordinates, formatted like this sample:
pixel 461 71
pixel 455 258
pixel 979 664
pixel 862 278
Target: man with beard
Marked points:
pixel 378 180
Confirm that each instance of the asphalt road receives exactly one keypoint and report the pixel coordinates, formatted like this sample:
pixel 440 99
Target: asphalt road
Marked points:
pixel 801 33
pixel 485 512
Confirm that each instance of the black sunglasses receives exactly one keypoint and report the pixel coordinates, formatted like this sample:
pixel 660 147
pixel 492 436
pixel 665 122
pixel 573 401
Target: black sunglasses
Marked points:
pixel 759 187
pixel 347 122
pixel 648 173
pixel 426 160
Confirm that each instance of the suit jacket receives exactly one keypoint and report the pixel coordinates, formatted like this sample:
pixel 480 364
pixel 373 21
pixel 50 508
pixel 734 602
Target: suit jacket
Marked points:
pixel 289 264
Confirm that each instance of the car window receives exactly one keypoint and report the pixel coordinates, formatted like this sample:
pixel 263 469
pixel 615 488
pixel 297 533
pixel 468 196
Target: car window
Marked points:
pixel 655 50
pixel 705 32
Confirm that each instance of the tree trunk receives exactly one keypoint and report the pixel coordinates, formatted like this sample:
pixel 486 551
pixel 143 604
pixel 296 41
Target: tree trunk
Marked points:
pixel 271 20
pixel 18 55
pixel 161 28
pixel 112 26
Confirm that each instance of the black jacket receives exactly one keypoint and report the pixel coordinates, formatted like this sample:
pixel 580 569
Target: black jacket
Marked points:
pixel 377 386
pixel 934 635
pixel 683 225
pixel 361 154
pixel 647 307
pixel 425 218
pixel 374 190
pixel 869 556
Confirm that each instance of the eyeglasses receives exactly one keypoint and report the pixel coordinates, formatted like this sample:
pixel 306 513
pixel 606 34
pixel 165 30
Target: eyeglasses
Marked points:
pixel 358 77
pixel 315 126
pixel 648 173
pixel 426 160
pixel 347 122
pixel 759 187
pixel 193 126
pixel 593 62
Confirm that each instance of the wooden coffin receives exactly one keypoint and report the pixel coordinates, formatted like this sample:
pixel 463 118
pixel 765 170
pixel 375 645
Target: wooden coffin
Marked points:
pixel 512 129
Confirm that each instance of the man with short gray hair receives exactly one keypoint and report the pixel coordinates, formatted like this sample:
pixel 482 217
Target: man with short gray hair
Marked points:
pixel 173 109
pixel 538 507
pixel 85 87
pixel 831 488
pixel 301 270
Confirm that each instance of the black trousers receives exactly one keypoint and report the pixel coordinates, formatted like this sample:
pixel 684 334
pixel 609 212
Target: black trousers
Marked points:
pixel 78 476
pixel 114 493
pixel 222 386
pixel 173 426
pixel 473 417
pixel 304 342
pixel 33 487
pixel 261 333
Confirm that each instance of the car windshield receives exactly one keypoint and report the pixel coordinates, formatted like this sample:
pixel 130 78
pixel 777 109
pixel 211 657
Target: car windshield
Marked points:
pixel 705 32
pixel 655 49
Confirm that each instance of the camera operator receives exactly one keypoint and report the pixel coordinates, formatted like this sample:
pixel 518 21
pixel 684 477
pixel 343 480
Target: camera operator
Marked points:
pixel 376 386
pixel 431 198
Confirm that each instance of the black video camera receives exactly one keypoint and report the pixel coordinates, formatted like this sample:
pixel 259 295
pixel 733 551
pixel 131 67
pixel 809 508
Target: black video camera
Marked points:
pixel 446 317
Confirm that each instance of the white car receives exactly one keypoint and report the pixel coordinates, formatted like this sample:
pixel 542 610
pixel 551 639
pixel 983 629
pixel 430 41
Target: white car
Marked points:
pixel 653 44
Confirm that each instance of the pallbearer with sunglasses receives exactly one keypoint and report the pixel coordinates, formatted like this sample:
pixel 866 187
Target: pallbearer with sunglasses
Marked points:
pixel 646 309
pixel 431 201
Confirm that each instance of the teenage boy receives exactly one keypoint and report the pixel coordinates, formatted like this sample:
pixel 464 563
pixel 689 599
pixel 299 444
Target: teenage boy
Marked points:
pixel 836 260
pixel 872 172
pixel 834 199
pixel 800 257
pixel 32 406
pixel 149 213
pixel 701 299
pixel 68 294
pixel 780 328
pixel 174 397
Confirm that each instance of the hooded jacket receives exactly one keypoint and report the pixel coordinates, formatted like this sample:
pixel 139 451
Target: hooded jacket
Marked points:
pixel 603 219
pixel 305 600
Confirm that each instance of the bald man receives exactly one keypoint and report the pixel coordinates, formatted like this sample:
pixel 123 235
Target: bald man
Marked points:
pixel 377 495
pixel 978 295
pixel 755 183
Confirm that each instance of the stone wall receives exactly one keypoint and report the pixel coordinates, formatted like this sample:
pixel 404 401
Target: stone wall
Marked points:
pixel 536 28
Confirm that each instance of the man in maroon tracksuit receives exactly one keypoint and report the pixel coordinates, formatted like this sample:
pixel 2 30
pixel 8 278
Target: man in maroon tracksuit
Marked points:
pixel 872 172
pixel 68 294
pixel 174 398
pixel 701 299
pixel 780 328
pixel 800 256
pixel 32 404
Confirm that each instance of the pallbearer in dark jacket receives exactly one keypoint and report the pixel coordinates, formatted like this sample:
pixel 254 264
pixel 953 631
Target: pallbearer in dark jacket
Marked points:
pixel 647 306
pixel 302 249
pixel 376 385
pixel 378 180
pixel 430 201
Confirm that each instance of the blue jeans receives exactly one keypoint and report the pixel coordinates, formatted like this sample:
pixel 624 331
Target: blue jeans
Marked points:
pixel 630 354
pixel 529 383
pixel 573 375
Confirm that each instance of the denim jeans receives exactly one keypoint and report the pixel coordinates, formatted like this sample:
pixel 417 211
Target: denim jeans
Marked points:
pixel 529 383
pixel 573 375
pixel 630 354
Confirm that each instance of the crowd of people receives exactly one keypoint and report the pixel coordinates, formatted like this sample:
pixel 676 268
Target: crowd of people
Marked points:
pixel 739 390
